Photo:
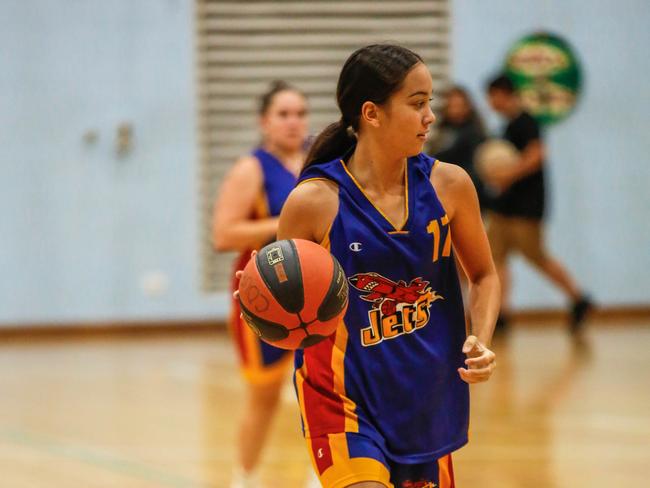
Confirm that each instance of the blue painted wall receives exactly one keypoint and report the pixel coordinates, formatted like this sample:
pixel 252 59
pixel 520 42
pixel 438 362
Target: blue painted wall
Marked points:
pixel 81 228
pixel 598 160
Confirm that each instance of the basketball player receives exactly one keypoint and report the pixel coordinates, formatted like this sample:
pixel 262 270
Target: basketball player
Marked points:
pixel 516 219
pixel 385 399
pixel 246 218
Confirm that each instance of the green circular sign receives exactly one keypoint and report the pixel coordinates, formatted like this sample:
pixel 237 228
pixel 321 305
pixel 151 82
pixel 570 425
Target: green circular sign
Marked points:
pixel 547 75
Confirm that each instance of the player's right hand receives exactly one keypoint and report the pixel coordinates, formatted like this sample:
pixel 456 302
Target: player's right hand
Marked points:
pixel 480 361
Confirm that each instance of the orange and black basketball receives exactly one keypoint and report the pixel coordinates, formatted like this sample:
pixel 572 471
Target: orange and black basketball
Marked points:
pixel 293 294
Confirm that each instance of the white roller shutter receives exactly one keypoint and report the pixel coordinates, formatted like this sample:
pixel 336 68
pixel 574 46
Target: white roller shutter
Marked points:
pixel 242 46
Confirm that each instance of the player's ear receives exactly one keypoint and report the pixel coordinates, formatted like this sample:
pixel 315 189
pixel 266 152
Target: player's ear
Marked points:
pixel 370 113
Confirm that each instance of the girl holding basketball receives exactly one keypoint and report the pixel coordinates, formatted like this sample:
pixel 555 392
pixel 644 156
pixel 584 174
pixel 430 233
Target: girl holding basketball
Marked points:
pixel 245 218
pixel 385 400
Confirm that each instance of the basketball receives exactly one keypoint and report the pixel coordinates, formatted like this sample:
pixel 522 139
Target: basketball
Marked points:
pixel 293 294
pixel 492 155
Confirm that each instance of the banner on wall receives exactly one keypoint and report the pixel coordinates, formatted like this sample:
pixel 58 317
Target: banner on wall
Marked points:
pixel 547 75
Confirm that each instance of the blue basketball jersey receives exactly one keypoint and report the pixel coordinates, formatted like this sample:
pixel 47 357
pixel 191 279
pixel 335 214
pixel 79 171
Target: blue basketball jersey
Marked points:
pixel 390 370
pixel 278 182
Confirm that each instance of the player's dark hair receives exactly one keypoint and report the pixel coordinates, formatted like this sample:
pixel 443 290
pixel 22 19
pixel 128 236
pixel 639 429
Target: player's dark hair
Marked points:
pixel 277 86
pixel 371 74
pixel 501 82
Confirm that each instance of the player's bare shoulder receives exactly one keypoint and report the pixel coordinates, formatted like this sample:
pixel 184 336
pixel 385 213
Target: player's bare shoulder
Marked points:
pixel 247 165
pixel 246 173
pixel 310 210
pixel 316 197
pixel 452 185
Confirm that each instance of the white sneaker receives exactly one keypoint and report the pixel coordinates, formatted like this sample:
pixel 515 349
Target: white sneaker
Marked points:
pixel 241 479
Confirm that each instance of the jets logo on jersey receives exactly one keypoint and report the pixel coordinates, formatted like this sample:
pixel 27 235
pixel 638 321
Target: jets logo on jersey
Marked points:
pixel 398 308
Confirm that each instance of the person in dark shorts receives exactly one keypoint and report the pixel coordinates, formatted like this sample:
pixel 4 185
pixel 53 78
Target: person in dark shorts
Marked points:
pixel 517 213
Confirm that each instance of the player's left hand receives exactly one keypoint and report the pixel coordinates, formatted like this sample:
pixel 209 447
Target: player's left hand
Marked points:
pixel 480 361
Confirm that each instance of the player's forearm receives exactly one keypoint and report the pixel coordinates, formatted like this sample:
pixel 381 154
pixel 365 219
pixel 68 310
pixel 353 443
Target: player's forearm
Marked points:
pixel 532 158
pixel 484 303
pixel 244 235
pixel 528 167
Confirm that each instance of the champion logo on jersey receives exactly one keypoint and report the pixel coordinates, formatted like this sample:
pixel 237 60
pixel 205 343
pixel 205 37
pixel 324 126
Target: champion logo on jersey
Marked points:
pixel 398 308
pixel 356 246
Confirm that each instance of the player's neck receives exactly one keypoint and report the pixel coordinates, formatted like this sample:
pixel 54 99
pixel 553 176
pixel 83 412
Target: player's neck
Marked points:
pixel 374 169
pixel 290 159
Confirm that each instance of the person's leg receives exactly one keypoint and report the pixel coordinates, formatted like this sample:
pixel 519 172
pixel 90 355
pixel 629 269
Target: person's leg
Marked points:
pixel 529 240
pixel 498 232
pixel 349 459
pixel 265 369
pixel 555 272
pixel 503 271
pixel 258 412
pixel 438 473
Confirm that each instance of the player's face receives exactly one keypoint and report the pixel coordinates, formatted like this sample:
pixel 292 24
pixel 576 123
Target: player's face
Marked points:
pixel 499 100
pixel 458 109
pixel 407 116
pixel 286 120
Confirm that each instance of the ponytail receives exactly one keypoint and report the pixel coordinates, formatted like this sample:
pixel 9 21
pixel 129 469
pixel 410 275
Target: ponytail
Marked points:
pixel 372 73
pixel 333 142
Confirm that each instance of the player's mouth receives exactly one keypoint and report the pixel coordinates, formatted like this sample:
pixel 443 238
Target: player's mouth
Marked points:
pixel 423 135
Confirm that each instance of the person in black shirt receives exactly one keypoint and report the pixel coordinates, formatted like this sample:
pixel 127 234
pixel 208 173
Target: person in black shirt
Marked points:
pixel 460 131
pixel 517 212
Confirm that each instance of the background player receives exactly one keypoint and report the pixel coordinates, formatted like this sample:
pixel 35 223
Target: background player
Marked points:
pixel 384 400
pixel 515 223
pixel 459 133
pixel 246 218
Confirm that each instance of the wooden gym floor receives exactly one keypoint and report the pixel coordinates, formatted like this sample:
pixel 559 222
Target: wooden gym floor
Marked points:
pixel 152 410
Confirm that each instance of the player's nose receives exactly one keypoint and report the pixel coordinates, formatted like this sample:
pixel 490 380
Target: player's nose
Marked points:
pixel 429 118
